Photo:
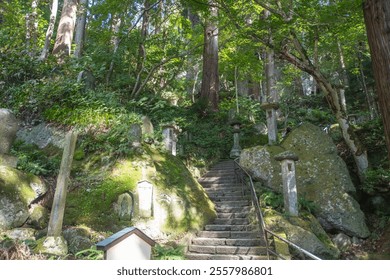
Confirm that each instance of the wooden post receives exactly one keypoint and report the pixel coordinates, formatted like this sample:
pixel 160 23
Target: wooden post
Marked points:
pixel 58 208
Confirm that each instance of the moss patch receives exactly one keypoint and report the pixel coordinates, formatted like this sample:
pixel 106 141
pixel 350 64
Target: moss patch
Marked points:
pixel 91 204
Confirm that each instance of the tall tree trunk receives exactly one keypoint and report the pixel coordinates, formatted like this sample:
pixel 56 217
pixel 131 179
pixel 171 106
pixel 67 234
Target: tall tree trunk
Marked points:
pixel 344 77
pixel 315 61
pixel 272 97
pixel 193 67
pixel 80 28
pixel 371 103
pixel 209 92
pixel 63 44
pixel 141 49
pixel 50 30
pixel 377 20
pixel 32 28
pixel 115 27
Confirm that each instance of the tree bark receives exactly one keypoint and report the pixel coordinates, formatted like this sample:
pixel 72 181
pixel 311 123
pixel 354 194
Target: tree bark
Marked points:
pixel 63 44
pixel 209 92
pixel 50 30
pixel 141 49
pixel 32 28
pixel 80 28
pixel 377 20
pixel 115 27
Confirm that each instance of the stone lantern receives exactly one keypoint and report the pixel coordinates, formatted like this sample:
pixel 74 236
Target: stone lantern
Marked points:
pixel 272 124
pixel 236 149
pixel 290 195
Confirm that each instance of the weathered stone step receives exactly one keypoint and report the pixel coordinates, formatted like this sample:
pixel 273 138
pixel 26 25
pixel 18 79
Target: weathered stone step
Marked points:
pixel 232 209
pixel 229 234
pixel 216 180
pixel 227 250
pixel 233 215
pixel 226 242
pixel 235 221
pixel 190 256
pixel 229 198
pixel 231 203
pixel 224 192
pixel 230 227
pixel 222 187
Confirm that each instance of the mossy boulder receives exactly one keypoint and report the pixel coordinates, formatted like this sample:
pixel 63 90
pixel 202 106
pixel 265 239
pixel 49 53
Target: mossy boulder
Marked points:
pixel 304 231
pixel 17 191
pixel 39 216
pixel 322 177
pixel 78 239
pixel 52 245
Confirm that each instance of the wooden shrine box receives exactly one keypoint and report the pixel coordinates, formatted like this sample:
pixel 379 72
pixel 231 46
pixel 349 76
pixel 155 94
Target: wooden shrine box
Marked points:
pixel 128 244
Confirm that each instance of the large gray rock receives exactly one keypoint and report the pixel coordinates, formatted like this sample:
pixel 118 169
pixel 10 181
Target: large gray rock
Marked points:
pixel 42 135
pixel 17 192
pixel 8 127
pixel 322 177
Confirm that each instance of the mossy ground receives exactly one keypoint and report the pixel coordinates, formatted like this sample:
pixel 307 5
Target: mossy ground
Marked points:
pixel 99 180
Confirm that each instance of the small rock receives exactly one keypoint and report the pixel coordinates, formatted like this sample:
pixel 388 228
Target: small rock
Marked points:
pixel 342 241
pixel 21 234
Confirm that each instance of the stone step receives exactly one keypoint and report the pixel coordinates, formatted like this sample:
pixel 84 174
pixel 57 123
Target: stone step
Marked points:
pixel 232 215
pixel 230 227
pixel 225 192
pixel 226 241
pixel 190 256
pixel 216 180
pixel 231 203
pixel 235 221
pixel 224 187
pixel 232 209
pixel 227 250
pixel 230 198
pixel 229 234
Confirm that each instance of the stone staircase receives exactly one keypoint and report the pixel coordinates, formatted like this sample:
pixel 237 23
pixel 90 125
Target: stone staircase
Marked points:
pixel 232 235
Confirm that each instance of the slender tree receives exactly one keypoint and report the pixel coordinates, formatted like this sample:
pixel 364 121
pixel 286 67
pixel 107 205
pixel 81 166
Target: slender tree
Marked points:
pixel 50 30
pixel 377 20
pixel 80 28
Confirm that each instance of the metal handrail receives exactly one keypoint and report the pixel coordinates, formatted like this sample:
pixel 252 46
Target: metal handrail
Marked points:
pixel 260 218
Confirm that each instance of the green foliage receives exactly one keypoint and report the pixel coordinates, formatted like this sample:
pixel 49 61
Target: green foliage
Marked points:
pixel 377 180
pixel 168 252
pixel 272 199
pixel 35 161
pixel 90 254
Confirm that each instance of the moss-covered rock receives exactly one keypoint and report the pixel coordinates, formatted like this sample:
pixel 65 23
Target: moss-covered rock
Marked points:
pixel 17 191
pixel 304 232
pixel 179 202
pixel 322 177
pixel 51 245
pixel 39 216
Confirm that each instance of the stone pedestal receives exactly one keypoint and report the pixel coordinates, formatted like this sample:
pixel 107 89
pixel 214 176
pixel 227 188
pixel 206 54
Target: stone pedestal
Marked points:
pixel 272 124
pixel 290 195
pixel 236 149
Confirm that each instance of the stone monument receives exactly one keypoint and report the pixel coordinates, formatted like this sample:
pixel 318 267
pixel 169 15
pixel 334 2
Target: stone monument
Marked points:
pixel 290 195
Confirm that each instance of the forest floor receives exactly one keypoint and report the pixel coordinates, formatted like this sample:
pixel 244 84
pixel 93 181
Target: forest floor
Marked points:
pixel 376 247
